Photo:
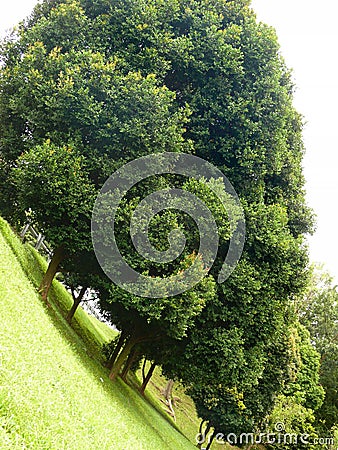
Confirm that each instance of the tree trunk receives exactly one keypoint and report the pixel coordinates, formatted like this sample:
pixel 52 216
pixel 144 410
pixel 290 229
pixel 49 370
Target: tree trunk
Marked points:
pixel 144 369
pixel 117 350
pixel 77 301
pixel 167 392
pixel 147 378
pixel 134 339
pixel 131 358
pixel 58 256
pixel 121 358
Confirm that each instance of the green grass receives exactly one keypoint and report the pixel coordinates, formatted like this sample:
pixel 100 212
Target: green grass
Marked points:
pixel 186 416
pixel 185 412
pixel 54 394
pixel 92 331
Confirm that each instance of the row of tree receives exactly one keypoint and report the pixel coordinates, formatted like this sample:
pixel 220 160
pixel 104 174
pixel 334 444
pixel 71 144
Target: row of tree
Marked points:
pixel 86 86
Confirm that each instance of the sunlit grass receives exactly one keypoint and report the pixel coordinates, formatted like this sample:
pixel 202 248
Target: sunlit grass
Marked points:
pixel 185 412
pixel 53 395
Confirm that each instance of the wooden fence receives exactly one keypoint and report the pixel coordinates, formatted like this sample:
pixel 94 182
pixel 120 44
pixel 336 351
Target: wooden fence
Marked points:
pixel 37 239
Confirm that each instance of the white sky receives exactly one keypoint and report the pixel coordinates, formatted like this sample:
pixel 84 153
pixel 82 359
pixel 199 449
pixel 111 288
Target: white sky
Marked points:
pixel 308 34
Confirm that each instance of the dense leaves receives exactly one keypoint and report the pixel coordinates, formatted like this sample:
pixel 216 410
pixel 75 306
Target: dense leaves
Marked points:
pixel 89 85
pixel 319 313
pixel 54 181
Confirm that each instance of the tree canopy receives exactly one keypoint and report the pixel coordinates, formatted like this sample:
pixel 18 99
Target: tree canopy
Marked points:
pixel 86 86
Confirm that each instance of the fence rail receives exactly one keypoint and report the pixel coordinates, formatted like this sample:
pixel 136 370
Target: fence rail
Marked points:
pixel 29 233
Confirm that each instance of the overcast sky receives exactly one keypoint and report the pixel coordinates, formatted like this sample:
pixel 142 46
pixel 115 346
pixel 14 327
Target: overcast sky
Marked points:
pixel 308 34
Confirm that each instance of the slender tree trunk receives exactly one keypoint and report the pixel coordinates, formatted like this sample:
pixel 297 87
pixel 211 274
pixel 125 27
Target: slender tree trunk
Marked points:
pixel 167 392
pixel 58 256
pixel 130 360
pixel 147 378
pixel 119 345
pixel 121 358
pixel 144 369
pixel 77 301
pixel 134 339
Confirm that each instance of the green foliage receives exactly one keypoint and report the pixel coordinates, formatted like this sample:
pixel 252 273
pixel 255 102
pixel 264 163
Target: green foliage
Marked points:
pixel 53 182
pixel 81 95
pixel 214 56
pixel 319 313
pixel 166 316
pixel 126 78
pixel 241 340
pixel 78 100
pixel 302 397
pixel 305 389
pixel 298 422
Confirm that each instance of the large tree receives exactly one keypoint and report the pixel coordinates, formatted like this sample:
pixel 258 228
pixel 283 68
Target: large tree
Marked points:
pixel 53 182
pixel 215 57
pixel 68 118
pixel 212 54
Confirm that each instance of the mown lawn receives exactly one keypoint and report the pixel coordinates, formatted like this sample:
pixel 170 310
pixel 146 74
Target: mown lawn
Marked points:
pixel 53 392
pixel 186 418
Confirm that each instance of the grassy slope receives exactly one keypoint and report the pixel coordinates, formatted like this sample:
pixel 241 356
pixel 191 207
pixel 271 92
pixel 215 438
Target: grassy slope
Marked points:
pixel 92 331
pixel 53 395
pixel 185 411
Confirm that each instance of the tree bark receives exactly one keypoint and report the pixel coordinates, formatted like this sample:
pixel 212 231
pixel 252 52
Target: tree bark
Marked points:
pixel 121 358
pixel 144 369
pixel 77 301
pixel 119 345
pixel 147 378
pixel 134 339
pixel 58 257
pixel 167 391
pixel 130 360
